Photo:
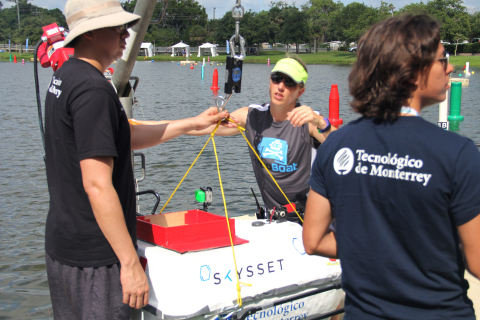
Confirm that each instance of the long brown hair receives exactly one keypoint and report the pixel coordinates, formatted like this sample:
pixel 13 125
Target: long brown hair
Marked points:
pixel 391 55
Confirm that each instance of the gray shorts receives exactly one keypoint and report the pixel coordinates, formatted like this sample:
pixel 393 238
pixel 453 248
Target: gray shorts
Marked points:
pixel 86 293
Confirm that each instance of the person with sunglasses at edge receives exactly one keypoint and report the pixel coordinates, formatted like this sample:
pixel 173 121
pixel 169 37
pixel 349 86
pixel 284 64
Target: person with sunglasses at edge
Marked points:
pixel 283 132
pixel 404 193
pixel 90 239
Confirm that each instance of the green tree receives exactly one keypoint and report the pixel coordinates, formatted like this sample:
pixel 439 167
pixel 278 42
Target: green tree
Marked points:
pixel 353 20
pixel 182 14
pixel 457 38
pixel 31 27
pixel 197 35
pixel 32 19
pixel 385 10
pixel 274 19
pixel 253 28
pixel 453 17
pixel 258 28
pixel 320 15
pixel 415 8
pixel 294 26
pixel 225 28
pixel 475 26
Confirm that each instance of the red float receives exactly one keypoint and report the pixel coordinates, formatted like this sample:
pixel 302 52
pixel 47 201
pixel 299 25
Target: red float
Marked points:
pixel 334 107
pixel 214 86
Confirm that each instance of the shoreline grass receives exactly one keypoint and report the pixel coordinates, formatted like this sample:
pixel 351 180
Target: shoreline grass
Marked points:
pixel 322 57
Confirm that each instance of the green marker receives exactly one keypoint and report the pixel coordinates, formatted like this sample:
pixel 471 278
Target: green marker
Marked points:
pixel 200 195
pixel 455 102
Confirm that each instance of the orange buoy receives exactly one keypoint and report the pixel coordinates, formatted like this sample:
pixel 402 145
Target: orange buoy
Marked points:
pixel 214 86
pixel 191 66
pixel 334 106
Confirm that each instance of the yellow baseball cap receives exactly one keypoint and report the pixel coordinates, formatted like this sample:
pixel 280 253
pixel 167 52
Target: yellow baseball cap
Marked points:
pixel 293 69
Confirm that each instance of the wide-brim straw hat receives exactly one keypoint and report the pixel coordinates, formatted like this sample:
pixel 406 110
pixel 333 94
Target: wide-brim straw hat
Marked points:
pixel 87 15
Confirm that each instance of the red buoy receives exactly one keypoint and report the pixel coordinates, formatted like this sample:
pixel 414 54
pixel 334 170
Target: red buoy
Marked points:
pixel 191 66
pixel 214 86
pixel 15 59
pixel 334 107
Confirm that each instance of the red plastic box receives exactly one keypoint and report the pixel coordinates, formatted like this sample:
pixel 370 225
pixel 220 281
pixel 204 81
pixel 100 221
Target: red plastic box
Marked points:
pixel 183 231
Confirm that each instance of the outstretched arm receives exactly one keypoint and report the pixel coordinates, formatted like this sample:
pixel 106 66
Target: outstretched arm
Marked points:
pixel 228 129
pixel 318 239
pixel 304 114
pixel 470 236
pixel 147 136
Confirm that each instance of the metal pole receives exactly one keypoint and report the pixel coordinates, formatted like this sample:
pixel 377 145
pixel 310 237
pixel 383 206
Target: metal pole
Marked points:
pixel 214 13
pixel 18 14
pixel 144 8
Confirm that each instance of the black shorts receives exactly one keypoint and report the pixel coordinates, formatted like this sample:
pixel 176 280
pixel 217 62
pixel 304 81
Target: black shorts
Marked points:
pixel 86 293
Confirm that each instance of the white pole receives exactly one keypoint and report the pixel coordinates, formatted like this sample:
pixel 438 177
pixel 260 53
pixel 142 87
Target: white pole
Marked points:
pixel 443 111
pixel 203 61
pixel 467 68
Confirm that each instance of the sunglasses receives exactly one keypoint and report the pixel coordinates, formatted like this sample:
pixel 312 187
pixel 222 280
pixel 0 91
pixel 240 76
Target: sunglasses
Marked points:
pixel 444 61
pixel 121 28
pixel 277 78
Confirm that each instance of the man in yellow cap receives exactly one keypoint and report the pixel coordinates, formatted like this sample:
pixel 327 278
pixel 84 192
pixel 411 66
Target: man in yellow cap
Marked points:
pixel 92 265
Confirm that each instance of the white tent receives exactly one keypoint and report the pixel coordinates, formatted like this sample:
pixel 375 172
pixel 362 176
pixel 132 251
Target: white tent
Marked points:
pixel 179 47
pixel 207 46
pixel 148 47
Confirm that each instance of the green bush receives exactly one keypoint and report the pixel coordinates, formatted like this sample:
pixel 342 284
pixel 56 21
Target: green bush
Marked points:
pixel 463 48
pixel 272 53
pixel 343 49
pixel 475 47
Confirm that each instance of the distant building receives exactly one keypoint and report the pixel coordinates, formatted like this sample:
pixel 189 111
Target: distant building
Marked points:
pixel 335 45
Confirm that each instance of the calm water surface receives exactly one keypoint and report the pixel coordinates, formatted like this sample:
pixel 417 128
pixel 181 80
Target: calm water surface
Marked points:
pixel 166 91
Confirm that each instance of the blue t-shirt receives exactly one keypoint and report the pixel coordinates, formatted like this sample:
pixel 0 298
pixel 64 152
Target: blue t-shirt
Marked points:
pixel 398 192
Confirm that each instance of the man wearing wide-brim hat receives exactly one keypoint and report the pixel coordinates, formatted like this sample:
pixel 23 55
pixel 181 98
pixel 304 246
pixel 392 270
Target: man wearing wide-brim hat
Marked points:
pixel 92 265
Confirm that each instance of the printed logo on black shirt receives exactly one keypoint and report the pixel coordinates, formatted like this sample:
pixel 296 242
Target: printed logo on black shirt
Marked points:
pixel 53 87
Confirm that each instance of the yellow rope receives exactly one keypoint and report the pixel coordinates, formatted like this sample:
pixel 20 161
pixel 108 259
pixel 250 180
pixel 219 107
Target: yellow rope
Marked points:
pixel 211 137
pixel 239 296
pixel 240 129
pixel 253 149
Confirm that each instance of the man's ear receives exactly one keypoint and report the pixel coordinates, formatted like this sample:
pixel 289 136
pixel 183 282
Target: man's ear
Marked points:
pixel 88 35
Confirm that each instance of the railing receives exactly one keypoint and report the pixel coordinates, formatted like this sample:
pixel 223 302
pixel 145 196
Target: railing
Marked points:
pixel 168 50
pixel 17 48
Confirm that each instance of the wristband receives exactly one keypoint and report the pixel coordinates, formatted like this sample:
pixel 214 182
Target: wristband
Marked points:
pixel 328 127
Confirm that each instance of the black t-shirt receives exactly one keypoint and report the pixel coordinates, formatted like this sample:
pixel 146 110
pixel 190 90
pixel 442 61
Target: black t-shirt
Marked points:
pixel 398 192
pixel 83 119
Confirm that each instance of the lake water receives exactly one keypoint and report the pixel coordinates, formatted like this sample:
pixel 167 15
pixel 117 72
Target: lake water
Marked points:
pixel 166 91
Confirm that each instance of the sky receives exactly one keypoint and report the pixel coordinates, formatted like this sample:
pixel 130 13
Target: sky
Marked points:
pixel 220 7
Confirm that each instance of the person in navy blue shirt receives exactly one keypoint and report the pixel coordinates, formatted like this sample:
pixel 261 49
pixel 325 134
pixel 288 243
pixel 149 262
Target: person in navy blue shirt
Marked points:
pixel 404 194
